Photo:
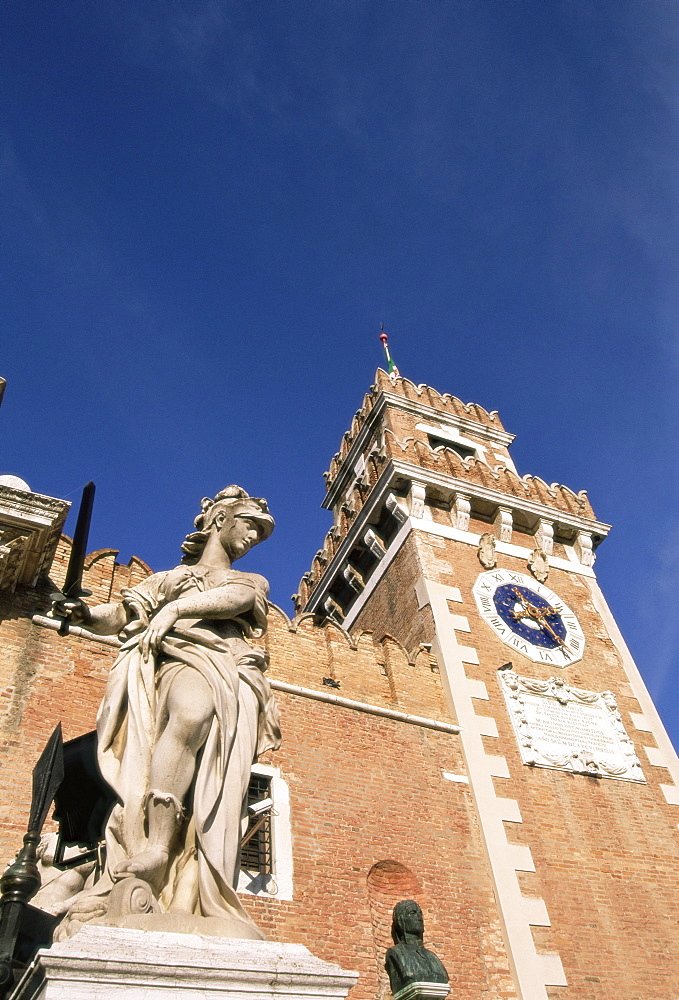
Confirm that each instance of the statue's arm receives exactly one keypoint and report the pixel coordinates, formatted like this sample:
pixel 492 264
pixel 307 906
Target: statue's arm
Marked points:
pixel 103 619
pixel 106 619
pixel 221 602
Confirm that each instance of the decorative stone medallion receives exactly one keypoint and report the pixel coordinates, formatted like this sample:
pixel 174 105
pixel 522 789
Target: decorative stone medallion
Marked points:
pixel 529 617
pixel 569 729
pixel 538 564
pixel 486 551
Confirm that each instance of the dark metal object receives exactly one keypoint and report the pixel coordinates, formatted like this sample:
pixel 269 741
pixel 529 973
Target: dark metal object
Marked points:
pixel 22 880
pixel 409 961
pixel 73 584
pixel 82 803
pixel 74 573
pixel 256 843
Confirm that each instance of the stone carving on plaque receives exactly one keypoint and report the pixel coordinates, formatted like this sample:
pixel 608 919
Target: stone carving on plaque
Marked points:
pixel 568 728
pixel 538 564
pixel 486 551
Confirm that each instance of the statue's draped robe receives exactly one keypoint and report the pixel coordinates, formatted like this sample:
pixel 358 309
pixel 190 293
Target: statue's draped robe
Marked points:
pixel 203 868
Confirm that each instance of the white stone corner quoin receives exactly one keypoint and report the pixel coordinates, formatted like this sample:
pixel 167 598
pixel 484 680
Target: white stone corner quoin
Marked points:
pixel 532 971
pixel 116 963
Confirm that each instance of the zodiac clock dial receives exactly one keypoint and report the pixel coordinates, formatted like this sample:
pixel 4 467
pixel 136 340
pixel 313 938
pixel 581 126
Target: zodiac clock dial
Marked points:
pixel 529 617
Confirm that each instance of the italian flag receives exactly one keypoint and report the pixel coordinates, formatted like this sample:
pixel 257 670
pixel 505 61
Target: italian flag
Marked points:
pixel 391 367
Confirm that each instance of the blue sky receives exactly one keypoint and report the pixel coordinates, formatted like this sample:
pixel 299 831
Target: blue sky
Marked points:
pixel 207 208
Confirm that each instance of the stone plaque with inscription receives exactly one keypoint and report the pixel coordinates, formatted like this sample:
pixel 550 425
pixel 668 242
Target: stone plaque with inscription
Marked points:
pixel 568 728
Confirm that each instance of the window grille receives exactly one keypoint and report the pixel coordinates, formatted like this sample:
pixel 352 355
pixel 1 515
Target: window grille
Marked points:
pixel 255 853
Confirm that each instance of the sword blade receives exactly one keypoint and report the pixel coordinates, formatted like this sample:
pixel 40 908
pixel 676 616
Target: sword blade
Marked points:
pixel 74 573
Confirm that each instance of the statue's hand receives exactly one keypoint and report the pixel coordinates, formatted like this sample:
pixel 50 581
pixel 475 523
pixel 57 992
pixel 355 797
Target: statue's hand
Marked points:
pixel 71 609
pixel 161 623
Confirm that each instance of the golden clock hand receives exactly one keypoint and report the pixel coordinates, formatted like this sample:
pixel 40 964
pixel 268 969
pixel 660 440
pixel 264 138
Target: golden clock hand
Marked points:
pixel 515 590
pixel 540 617
pixel 530 608
pixel 545 626
pixel 527 606
pixel 549 610
pixel 538 614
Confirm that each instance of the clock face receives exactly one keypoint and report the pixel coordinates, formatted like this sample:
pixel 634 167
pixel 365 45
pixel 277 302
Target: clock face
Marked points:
pixel 529 617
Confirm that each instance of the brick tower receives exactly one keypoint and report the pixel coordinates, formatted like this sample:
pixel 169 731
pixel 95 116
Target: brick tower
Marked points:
pixel 437 541
pixel 463 724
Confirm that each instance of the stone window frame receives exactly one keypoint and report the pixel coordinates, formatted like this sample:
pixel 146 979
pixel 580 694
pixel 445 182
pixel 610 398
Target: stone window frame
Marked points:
pixel 279 883
pixel 451 436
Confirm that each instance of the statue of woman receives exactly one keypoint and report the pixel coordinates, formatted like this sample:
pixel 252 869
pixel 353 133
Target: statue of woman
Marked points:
pixel 186 712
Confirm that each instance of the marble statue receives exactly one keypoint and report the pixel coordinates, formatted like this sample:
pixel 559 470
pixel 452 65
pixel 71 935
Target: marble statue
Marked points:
pixel 408 961
pixel 187 709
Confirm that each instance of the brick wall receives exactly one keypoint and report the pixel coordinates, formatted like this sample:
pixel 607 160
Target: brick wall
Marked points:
pixel 606 851
pixel 373 818
pixel 46 679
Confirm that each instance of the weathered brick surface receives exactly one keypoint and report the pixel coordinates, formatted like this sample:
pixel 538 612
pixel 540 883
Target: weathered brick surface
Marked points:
pixel 606 851
pixel 372 816
pixel 392 609
pixel 364 792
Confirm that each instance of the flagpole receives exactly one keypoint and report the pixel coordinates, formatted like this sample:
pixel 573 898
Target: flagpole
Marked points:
pixel 392 370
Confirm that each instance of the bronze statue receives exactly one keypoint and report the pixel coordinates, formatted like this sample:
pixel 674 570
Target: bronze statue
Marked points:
pixel 187 709
pixel 408 961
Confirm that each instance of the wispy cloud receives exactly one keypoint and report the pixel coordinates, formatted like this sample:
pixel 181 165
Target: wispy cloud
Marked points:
pixel 207 46
pixel 66 251
pixel 21 214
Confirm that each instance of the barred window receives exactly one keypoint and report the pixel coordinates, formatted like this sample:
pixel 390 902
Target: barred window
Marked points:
pixel 255 853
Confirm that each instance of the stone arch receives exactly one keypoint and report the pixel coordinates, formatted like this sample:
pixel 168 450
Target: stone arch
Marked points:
pixel 387 883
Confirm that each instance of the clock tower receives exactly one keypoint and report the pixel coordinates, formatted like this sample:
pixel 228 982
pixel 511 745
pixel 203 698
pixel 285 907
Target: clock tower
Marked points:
pixel 439 543
pixel 463 724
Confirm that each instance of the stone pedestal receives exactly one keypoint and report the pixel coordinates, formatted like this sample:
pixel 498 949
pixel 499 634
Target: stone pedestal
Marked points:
pixel 423 991
pixel 120 963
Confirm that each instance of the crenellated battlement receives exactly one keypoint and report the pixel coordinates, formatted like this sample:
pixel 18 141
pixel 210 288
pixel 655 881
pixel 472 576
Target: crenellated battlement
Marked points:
pixel 412 452
pixel 407 390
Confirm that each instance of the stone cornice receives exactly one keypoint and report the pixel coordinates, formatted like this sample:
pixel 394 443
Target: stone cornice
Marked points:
pixel 362 520
pixel 30 526
pixel 396 471
pixel 344 473
pixel 560 518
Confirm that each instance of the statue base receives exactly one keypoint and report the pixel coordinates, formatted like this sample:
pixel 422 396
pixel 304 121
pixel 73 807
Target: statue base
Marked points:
pixel 423 991
pixel 228 926
pixel 124 963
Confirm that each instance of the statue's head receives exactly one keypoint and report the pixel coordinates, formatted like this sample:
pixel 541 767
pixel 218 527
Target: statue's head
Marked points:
pixel 240 520
pixel 407 919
